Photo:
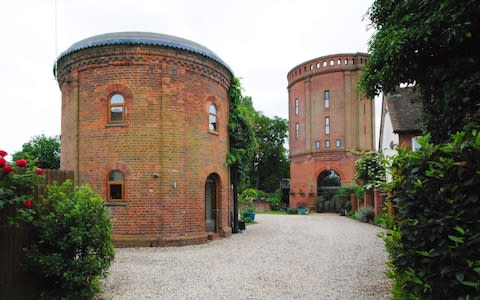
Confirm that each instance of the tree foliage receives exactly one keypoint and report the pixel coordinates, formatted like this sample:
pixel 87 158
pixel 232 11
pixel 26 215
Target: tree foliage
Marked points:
pixel 256 143
pixel 44 148
pixel 71 248
pixel 270 162
pixel 435 45
pixel 435 238
pixel 241 132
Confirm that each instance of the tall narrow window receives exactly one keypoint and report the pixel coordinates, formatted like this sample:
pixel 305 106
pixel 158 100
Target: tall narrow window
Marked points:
pixel 297 130
pixel 327 125
pixel 115 186
pixel 116 108
pixel 296 106
pixel 212 117
pixel 326 99
pixel 317 144
pixel 327 143
pixel 338 143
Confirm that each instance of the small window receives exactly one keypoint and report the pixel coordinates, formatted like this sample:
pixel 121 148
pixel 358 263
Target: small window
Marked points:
pixel 297 130
pixel 338 143
pixel 317 144
pixel 115 186
pixel 326 98
pixel 212 117
pixel 116 108
pixel 327 143
pixel 296 106
pixel 327 125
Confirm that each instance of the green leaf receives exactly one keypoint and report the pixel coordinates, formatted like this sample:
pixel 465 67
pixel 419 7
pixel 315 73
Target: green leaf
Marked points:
pixel 456 239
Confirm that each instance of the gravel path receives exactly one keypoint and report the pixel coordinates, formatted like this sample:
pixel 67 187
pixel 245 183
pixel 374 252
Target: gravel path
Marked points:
pixel 319 256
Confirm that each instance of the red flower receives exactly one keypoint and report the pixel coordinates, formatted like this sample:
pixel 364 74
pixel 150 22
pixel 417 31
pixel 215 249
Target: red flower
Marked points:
pixel 3 153
pixel 28 203
pixel 2 161
pixel 21 162
pixel 7 169
pixel 39 171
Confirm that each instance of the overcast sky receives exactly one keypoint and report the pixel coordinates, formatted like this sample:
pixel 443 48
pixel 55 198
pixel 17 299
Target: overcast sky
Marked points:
pixel 261 40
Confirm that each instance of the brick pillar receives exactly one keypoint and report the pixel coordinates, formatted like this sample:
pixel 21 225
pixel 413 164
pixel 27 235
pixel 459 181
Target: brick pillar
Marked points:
pixel 378 201
pixel 354 200
pixel 368 198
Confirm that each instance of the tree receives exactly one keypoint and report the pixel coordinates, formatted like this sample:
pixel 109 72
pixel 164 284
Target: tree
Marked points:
pixel 435 46
pixel 270 163
pixel 46 149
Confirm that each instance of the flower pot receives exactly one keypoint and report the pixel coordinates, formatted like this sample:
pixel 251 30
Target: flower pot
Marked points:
pixel 250 215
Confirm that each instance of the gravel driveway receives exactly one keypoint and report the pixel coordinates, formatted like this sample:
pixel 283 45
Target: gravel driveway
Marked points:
pixel 319 256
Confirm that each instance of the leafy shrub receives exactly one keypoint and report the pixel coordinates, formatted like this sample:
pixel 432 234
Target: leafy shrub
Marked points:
pixel 17 182
pixel 365 214
pixel 435 240
pixel 275 200
pixel 342 197
pixel 369 168
pixel 72 246
pixel 292 211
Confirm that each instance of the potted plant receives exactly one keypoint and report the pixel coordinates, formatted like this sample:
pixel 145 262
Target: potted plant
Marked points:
pixel 246 199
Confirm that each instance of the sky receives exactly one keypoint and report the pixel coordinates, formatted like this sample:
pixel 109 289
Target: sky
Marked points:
pixel 261 40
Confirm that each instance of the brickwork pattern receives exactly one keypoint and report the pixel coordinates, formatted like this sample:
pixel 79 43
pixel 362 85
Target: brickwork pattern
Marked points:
pixel 164 147
pixel 351 122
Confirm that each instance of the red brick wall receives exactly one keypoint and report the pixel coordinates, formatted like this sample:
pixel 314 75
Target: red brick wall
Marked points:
pixel 351 122
pixel 167 94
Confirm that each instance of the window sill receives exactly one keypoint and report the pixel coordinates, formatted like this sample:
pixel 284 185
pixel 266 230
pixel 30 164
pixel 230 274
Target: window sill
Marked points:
pixel 119 124
pixel 115 203
pixel 213 132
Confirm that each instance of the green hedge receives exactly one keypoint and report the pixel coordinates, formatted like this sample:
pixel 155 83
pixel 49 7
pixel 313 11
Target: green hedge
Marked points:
pixel 435 242
pixel 72 247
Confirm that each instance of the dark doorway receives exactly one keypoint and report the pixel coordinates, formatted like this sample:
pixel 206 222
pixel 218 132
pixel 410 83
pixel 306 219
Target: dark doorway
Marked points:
pixel 211 203
pixel 328 183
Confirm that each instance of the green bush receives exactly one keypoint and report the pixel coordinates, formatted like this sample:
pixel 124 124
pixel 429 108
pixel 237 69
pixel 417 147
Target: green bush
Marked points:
pixel 292 211
pixel 342 197
pixel 364 214
pixel 72 246
pixel 275 200
pixel 435 241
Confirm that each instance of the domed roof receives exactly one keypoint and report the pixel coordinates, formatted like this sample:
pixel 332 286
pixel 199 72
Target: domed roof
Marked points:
pixel 143 38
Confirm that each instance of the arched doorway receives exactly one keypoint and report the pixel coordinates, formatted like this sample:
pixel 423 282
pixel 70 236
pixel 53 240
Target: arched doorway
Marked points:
pixel 328 183
pixel 211 191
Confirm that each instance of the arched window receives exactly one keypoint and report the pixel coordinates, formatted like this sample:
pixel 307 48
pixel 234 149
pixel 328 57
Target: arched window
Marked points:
pixel 296 106
pixel 212 117
pixel 297 130
pixel 116 108
pixel 115 186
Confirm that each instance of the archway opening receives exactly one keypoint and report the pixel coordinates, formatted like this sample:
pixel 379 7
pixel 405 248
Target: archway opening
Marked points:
pixel 328 183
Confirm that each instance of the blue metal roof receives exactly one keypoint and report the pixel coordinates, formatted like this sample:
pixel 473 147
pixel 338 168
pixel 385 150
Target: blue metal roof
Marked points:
pixel 143 38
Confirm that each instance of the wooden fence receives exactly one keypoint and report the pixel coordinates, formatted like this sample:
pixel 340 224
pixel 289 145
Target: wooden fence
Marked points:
pixel 15 281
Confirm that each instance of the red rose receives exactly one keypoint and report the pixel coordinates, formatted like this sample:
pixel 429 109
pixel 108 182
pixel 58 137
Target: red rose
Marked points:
pixel 3 153
pixel 28 203
pixel 7 169
pixel 39 171
pixel 2 161
pixel 21 162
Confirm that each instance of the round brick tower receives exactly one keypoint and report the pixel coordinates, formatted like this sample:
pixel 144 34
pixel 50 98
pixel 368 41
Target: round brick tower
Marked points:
pixel 327 118
pixel 144 122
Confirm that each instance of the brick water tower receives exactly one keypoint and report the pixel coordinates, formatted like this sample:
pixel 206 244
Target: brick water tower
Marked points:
pixel 144 122
pixel 327 118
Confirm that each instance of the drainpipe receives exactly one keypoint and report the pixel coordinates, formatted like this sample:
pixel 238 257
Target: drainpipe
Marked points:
pixel 234 178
